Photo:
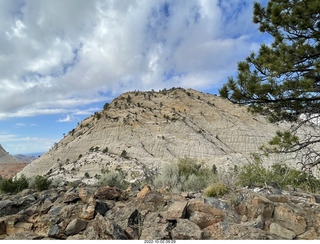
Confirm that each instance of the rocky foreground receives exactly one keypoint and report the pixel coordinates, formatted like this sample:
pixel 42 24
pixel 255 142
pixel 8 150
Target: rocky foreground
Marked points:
pixel 107 213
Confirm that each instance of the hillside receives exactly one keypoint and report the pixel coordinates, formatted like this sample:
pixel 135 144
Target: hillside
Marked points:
pixel 25 158
pixel 9 166
pixel 148 129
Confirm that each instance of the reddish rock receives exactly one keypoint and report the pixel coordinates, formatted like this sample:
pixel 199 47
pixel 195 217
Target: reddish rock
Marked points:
pixel 108 193
pixel 260 206
pixel 145 190
pixel 88 211
pixel 290 220
pixel 204 220
pixel 84 194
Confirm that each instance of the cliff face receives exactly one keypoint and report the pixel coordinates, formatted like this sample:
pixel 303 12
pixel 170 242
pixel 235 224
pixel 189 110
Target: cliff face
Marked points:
pixel 141 129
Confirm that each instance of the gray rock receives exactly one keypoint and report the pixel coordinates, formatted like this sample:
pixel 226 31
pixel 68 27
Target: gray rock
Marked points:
pixel 101 207
pixel 8 207
pixel 55 211
pixel 215 202
pixel 75 226
pixel 186 230
pixel 25 236
pixel 281 231
pixel 155 228
pixel 54 231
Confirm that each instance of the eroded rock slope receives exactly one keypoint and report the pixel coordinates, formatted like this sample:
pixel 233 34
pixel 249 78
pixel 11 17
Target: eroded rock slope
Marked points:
pixel 148 129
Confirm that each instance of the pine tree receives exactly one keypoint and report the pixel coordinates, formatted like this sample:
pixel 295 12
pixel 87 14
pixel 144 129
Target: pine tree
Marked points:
pixel 282 80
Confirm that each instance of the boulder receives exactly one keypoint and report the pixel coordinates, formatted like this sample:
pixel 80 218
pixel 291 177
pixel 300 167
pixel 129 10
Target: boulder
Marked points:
pixel 108 193
pixel 104 229
pixel 281 231
pixel 177 210
pixel 88 211
pixel 54 231
pixel 204 215
pixel 75 226
pixel 186 230
pixel 216 203
pixel 101 207
pixel 145 190
pixel 290 220
pixel 71 198
pixel 310 234
pixel 155 227
pixel 203 220
pixel 260 205
pixel 85 194
pixel 8 207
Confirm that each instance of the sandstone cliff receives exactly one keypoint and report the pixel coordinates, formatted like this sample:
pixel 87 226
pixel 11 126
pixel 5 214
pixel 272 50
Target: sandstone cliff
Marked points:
pixel 139 129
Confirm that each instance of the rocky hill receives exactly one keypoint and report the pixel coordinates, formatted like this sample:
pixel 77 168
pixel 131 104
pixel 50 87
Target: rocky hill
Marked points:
pixel 147 129
pixel 9 166
pixel 108 213
pixel 25 158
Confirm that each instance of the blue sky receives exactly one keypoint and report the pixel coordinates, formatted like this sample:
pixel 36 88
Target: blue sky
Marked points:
pixel 61 61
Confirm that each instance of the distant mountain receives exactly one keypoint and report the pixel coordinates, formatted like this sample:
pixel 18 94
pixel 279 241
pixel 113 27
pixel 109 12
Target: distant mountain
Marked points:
pixel 5 157
pixel 9 165
pixel 140 130
pixel 25 158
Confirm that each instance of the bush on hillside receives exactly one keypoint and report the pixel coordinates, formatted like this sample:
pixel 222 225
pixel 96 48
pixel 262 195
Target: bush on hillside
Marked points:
pixel 42 183
pixel 113 178
pixel 186 175
pixel 216 189
pixel 14 186
pixel 280 175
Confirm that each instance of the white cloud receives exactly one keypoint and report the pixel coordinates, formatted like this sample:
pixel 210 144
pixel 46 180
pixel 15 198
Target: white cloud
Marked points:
pixel 16 144
pixel 68 118
pixel 59 54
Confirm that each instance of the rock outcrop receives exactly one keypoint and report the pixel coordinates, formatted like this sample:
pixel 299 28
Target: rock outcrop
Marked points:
pixel 147 129
pixel 77 213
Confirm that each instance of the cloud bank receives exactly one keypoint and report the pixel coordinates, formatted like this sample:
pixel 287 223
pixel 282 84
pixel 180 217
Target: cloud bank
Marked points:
pixel 56 55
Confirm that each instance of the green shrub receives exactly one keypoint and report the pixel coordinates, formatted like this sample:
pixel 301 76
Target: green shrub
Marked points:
pixel 14 186
pixel 113 178
pixel 187 167
pixel 279 175
pixel 42 183
pixel 186 175
pixel 124 154
pixel 169 177
pixel 216 189
pixel 252 174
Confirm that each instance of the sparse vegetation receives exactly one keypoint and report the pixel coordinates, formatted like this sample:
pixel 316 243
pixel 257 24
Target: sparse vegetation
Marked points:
pixel 279 176
pixel 124 154
pixel 106 106
pixel 186 175
pixel 14 186
pixel 216 189
pixel 114 178
pixel 41 183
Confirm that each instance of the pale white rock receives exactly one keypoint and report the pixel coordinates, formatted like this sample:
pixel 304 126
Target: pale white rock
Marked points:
pixel 155 128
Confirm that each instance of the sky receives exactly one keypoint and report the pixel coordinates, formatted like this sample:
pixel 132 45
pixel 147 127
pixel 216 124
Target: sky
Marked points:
pixel 61 61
